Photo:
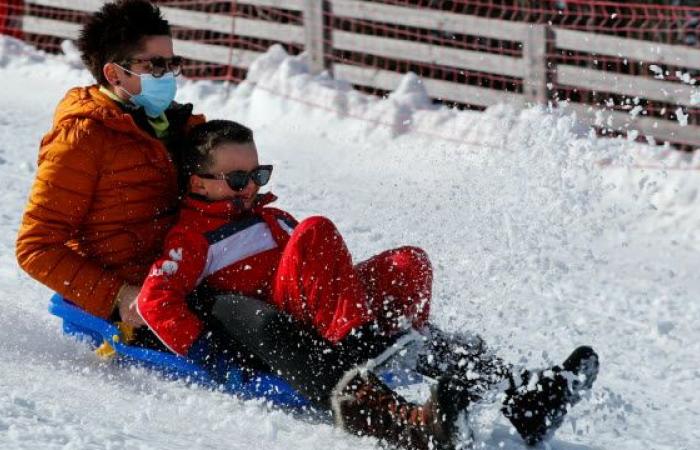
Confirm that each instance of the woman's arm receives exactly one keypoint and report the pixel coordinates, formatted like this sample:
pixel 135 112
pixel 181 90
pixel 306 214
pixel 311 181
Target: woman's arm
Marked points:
pixel 68 172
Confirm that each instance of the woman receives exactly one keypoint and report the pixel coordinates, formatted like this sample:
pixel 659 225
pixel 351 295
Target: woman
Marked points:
pixel 106 189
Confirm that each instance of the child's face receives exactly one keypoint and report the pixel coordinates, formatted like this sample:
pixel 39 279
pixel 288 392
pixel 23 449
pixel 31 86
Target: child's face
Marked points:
pixel 229 157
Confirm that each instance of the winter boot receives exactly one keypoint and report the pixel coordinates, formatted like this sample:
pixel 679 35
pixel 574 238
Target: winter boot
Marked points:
pixel 537 403
pixel 363 405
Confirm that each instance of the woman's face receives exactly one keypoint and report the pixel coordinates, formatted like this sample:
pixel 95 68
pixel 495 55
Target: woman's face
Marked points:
pixel 153 47
pixel 229 157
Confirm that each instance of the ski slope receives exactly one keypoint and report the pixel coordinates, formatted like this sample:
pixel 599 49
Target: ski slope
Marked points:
pixel 543 237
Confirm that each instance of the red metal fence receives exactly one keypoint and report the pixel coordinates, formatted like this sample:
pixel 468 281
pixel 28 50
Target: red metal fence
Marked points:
pixel 470 53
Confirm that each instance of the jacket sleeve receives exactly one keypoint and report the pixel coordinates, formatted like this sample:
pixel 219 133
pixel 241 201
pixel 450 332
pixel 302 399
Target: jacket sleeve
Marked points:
pixel 66 179
pixel 162 302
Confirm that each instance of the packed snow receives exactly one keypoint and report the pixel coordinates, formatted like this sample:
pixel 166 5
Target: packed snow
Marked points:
pixel 543 237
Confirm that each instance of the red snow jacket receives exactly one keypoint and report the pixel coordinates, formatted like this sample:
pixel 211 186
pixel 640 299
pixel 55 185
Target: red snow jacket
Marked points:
pixel 212 242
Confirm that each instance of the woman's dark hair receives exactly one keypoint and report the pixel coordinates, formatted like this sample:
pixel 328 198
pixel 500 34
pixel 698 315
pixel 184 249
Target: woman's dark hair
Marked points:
pixel 116 32
pixel 204 138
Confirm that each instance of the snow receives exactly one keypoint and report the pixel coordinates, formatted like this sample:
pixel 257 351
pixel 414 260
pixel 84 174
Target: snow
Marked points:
pixel 543 237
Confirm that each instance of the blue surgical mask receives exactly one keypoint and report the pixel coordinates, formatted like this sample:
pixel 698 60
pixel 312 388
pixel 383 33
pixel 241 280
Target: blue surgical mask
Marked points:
pixel 156 93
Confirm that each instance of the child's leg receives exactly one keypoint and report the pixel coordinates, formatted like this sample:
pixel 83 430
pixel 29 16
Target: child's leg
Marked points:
pixel 536 401
pixel 399 284
pixel 316 282
pixel 338 376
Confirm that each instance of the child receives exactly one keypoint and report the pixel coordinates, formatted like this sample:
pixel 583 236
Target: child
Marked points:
pixel 229 238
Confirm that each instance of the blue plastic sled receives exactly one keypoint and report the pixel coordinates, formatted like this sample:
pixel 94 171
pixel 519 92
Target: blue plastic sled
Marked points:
pixel 95 331
pixel 82 325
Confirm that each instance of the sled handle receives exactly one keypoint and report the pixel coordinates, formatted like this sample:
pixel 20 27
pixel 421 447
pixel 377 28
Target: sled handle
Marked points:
pixel 70 313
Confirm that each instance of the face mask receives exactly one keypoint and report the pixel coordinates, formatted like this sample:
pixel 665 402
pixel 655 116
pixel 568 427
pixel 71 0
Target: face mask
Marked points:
pixel 156 93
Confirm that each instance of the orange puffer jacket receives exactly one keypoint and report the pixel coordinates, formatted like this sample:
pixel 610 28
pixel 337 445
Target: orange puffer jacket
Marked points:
pixel 104 196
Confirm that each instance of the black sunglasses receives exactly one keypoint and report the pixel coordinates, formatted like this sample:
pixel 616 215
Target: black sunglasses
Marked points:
pixel 158 66
pixel 238 179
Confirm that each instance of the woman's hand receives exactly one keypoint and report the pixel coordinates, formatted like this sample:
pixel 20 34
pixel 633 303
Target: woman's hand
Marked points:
pixel 126 302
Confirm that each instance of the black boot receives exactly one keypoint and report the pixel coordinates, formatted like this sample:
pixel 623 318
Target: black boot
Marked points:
pixel 363 405
pixel 537 403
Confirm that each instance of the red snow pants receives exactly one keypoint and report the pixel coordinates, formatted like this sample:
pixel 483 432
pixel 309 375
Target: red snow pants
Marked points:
pixel 317 283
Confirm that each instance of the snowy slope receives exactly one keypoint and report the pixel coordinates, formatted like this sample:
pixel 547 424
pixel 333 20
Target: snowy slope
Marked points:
pixel 543 237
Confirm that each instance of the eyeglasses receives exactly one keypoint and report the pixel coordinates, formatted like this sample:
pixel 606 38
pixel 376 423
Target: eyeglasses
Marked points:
pixel 158 66
pixel 238 179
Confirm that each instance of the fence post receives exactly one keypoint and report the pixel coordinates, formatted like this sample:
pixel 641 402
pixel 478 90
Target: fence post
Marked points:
pixel 535 56
pixel 315 35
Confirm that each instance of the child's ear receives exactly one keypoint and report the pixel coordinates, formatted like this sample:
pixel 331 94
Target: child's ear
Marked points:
pixel 197 185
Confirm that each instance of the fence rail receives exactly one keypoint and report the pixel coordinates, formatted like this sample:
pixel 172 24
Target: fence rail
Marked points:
pixel 620 66
pixel 430 19
pixel 600 44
